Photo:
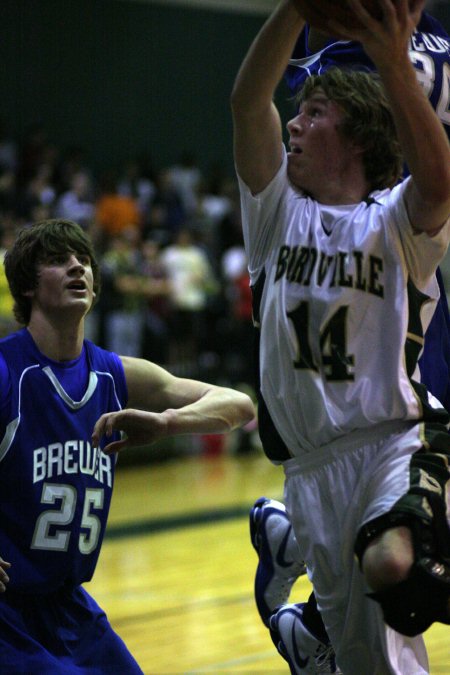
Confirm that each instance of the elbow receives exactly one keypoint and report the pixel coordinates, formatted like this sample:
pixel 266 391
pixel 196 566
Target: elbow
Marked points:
pixel 245 410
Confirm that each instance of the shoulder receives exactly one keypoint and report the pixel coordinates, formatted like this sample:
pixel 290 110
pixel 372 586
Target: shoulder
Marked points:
pixel 104 361
pixel 279 187
pixel 387 208
pixel 99 356
pixel 264 213
pixel 14 338
pixel 18 349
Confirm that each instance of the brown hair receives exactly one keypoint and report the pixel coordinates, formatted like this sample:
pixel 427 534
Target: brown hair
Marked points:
pixel 33 246
pixel 368 120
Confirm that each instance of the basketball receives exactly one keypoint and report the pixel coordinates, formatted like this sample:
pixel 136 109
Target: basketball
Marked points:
pixel 344 14
pixel 319 12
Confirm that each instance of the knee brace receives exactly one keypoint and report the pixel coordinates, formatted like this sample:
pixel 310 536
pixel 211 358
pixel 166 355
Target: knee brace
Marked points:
pixel 411 606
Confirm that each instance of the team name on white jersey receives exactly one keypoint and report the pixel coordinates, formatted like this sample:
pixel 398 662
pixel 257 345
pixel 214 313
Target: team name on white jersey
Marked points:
pixel 71 457
pixel 304 264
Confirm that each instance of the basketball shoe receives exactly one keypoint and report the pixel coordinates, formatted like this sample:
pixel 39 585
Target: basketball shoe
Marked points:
pixel 305 653
pixel 278 567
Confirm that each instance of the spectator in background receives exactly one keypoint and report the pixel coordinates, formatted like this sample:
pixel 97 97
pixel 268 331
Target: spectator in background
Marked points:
pixel 156 289
pixel 40 191
pixel 230 227
pixel 192 283
pixel 185 178
pixel 32 153
pixel 121 310
pixel 156 227
pixel 167 208
pixel 115 212
pixel 239 329
pixel 135 182
pixel 36 175
pixel 213 205
pixel 77 203
pixel 73 161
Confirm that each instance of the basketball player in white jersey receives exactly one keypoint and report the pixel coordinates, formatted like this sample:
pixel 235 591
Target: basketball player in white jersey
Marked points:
pixel 345 266
pixel 270 529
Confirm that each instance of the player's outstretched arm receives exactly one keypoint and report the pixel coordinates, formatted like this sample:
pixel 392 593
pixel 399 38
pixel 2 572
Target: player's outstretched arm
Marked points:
pixel 164 405
pixel 257 125
pixel 423 139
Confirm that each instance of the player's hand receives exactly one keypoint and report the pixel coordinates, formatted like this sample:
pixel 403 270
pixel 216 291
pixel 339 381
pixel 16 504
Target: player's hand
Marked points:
pixel 383 39
pixel 4 578
pixel 139 426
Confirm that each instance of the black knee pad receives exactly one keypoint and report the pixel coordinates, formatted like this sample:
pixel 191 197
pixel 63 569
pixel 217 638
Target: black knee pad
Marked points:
pixel 411 606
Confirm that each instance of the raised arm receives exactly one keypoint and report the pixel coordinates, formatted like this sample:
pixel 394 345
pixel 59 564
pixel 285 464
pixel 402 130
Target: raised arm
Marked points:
pixel 163 405
pixel 423 139
pixel 257 125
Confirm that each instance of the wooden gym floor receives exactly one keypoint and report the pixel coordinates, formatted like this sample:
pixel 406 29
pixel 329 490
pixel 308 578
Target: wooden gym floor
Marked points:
pixel 176 571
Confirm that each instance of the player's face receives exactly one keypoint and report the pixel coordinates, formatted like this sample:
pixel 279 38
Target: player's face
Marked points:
pixel 65 281
pixel 318 150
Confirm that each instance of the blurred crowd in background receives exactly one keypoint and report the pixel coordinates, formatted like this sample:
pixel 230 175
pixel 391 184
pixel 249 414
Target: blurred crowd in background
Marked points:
pixel 175 287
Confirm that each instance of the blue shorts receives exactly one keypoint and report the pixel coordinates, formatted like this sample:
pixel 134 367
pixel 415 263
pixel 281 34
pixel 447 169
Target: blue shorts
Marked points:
pixel 61 633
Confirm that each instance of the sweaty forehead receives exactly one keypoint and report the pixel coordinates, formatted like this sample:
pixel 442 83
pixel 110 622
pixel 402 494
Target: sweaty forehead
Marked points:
pixel 317 95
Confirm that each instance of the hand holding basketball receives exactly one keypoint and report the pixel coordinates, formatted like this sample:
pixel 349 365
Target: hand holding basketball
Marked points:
pixel 343 18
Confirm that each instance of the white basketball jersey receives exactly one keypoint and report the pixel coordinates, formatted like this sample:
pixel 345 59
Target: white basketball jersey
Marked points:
pixel 348 293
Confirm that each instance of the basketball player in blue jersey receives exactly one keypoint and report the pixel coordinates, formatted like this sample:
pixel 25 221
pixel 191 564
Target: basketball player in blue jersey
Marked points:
pixel 63 403
pixel 314 53
pixel 340 345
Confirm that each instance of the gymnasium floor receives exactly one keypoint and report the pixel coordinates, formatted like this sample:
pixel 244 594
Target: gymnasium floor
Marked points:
pixel 176 571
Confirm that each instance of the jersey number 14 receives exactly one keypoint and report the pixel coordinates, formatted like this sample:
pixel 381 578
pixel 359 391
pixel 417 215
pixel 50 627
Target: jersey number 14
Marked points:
pixel 334 361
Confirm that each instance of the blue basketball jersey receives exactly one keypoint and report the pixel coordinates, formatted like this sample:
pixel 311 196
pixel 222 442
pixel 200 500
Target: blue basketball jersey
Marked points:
pixel 429 51
pixel 55 487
